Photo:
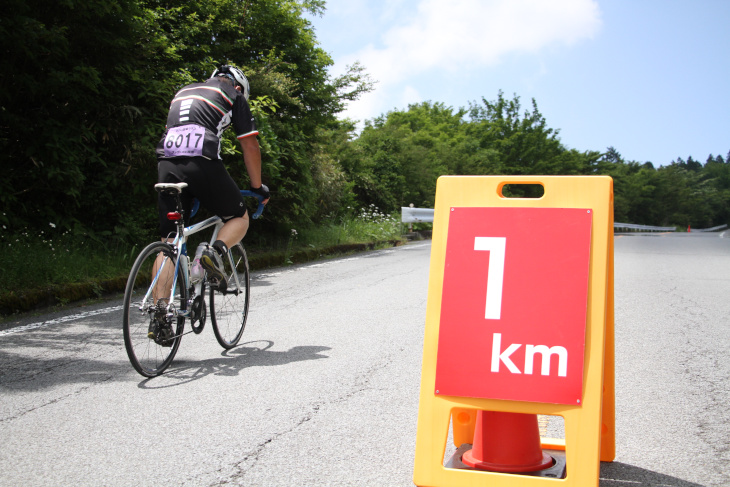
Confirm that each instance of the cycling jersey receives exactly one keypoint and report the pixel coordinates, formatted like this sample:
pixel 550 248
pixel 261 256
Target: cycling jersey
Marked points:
pixel 199 114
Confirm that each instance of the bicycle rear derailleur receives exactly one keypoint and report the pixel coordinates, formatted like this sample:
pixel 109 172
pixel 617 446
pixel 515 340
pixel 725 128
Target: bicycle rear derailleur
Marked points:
pixel 160 329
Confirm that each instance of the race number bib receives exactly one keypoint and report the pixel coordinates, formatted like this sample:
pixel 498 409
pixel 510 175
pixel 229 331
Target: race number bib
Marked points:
pixel 186 140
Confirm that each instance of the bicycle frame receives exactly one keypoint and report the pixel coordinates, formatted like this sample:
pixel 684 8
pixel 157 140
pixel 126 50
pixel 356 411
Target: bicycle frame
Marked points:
pixel 153 327
pixel 182 270
pixel 179 245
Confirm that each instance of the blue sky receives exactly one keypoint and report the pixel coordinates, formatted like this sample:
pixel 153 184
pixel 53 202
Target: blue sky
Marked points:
pixel 648 77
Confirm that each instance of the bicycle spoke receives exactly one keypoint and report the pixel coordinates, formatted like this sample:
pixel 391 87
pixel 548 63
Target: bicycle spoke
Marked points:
pixel 151 335
pixel 229 308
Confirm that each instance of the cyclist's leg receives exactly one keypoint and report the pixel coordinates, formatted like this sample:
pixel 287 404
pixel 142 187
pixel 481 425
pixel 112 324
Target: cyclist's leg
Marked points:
pixel 163 286
pixel 215 257
pixel 219 193
pixel 234 230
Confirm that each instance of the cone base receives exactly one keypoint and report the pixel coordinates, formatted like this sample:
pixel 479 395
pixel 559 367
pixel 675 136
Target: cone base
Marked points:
pixel 557 471
pixel 469 460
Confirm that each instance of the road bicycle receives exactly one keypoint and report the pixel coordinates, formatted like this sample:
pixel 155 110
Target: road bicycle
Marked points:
pixel 165 288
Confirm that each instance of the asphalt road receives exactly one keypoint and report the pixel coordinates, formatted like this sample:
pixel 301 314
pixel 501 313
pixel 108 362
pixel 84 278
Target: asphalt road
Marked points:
pixel 672 305
pixel 324 388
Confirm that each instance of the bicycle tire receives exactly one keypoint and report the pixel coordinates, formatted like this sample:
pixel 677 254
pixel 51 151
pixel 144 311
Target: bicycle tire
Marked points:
pixel 150 357
pixel 229 308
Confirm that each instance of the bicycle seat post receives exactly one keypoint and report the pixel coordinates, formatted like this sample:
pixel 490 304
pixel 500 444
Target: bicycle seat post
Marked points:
pixel 175 190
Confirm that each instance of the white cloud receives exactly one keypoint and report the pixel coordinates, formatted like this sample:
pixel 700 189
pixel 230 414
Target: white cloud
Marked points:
pixel 464 35
pixel 410 95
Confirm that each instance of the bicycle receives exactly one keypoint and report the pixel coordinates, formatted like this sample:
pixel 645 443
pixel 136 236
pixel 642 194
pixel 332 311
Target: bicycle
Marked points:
pixel 161 293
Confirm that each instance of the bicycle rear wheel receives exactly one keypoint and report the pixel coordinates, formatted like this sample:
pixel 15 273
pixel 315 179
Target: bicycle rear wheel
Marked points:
pixel 229 307
pixel 146 310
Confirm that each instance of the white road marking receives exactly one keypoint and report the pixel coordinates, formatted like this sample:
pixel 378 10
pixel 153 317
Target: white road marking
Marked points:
pixel 86 314
pixel 62 319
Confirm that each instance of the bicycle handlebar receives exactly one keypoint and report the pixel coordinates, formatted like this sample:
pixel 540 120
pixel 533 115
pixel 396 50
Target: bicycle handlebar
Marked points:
pixel 244 192
pixel 260 209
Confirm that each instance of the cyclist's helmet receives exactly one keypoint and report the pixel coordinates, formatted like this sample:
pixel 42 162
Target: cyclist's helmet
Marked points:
pixel 235 75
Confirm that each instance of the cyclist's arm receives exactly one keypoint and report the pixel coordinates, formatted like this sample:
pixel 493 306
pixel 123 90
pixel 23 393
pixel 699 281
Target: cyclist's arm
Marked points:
pixel 252 160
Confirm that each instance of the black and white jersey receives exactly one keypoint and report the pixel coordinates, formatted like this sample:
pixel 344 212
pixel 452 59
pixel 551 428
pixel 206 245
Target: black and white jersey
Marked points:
pixel 199 114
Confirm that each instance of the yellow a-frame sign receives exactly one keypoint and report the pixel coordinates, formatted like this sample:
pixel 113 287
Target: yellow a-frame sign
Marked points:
pixel 589 423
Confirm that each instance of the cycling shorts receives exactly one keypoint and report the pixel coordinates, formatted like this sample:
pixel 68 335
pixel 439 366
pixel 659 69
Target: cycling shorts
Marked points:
pixel 208 181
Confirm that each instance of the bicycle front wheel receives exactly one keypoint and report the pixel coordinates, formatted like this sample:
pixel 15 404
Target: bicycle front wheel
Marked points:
pixel 152 327
pixel 229 306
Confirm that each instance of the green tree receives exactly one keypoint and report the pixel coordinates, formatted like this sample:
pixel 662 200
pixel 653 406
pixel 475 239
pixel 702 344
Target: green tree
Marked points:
pixel 402 153
pixel 68 112
pixel 89 83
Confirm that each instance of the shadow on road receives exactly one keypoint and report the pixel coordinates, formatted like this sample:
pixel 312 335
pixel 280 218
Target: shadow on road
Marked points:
pixel 231 362
pixel 59 354
pixel 617 474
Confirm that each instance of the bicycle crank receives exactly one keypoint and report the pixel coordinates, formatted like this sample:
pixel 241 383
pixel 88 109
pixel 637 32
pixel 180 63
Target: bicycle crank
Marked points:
pixel 198 314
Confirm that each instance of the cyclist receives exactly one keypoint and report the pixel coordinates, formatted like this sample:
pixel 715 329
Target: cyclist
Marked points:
pixel 189 152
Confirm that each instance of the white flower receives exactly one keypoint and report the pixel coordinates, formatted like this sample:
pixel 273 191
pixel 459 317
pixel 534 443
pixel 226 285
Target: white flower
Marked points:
pixel 53 225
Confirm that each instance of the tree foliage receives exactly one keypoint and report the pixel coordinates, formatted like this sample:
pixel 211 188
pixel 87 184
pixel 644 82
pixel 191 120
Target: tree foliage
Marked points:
pixel 86 86
pixel 398 157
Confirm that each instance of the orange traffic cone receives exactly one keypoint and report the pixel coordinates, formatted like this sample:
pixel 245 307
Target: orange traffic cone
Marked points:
pixel 507 442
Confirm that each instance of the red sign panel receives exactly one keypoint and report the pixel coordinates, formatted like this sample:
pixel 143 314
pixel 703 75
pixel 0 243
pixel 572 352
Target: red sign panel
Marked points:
pixel 513 308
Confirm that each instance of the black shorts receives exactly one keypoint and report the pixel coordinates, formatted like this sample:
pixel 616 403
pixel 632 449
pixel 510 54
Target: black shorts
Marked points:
pixel 208 181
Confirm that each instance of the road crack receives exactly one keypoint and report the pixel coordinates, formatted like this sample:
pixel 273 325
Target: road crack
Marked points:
pixel 56 400
pixel 360 385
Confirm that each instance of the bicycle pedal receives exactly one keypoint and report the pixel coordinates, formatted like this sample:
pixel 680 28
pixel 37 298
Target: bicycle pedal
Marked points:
pixel 218 285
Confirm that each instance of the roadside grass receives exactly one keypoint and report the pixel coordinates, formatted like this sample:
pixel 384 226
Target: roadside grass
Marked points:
pixel 51 259
pixel 369 225
pixel 55 259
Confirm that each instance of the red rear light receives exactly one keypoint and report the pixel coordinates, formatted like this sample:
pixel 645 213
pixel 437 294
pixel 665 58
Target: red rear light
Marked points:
pixel 174 216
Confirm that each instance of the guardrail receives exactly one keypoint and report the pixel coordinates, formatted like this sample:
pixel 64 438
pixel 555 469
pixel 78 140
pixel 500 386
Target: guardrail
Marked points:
pixel 416 215
pixel 642 228
pixel 713 229
pixel 420 215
